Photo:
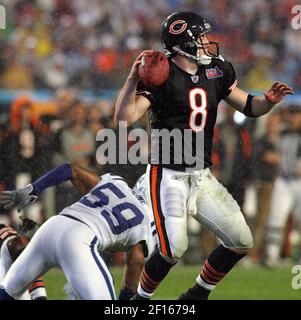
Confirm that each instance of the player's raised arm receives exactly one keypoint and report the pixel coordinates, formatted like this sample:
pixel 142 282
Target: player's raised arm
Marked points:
pixel 256 106
pixel 83 179
pixel 133 267
pixel 130 107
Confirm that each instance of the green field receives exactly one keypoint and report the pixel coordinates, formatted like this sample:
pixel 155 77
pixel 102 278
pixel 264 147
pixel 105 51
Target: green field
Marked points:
pixel 242 283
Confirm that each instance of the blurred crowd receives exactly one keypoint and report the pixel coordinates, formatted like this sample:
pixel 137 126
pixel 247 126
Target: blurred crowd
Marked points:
pixel 64 44
pixel 91 45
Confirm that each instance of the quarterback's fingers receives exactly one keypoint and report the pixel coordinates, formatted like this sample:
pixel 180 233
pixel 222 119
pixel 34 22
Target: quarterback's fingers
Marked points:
pixel 283 86
pixel 280 86
pixel 287 88
pixel 138 60
pixel 274 85
pixel 287 91
pixel 142 54
pixel 136 63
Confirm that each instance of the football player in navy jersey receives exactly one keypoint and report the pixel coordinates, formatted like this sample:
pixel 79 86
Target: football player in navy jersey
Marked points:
pixel 198 80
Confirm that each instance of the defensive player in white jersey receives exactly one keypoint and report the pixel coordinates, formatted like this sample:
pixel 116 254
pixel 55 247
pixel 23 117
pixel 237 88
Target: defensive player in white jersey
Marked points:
pixel 11 245
pixel 110 215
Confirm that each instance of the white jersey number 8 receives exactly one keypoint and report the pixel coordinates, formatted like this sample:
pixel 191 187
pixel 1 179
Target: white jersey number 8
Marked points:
pixel 198 107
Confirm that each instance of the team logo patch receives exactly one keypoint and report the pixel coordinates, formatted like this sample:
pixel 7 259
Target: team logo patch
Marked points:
pixel 214 73
pixel 195 79
pixel 177 178
pixel 178 27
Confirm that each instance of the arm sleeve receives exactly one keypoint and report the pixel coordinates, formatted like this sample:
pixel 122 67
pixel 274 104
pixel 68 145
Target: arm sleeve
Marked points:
pixel 230 79
pixel 52 178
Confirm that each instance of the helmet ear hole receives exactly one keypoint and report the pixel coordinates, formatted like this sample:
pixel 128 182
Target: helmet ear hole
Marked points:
pixel 189 44
pixel 189 47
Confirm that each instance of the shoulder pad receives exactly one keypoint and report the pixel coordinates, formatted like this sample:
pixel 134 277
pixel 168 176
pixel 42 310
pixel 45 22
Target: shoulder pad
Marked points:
pixel 110 176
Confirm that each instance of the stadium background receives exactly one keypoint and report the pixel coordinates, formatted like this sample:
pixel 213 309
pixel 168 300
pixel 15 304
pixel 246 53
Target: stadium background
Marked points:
pixel 62 64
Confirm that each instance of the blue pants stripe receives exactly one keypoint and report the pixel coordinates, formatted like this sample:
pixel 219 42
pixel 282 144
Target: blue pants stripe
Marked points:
pixel 4 295
pixel 102 270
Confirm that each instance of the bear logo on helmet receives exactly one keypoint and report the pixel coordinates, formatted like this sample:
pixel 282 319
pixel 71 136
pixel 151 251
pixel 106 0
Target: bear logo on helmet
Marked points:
pixel 178 27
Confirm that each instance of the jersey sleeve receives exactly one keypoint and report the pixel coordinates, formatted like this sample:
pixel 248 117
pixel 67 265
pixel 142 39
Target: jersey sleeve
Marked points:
pixel 230 79
pixel 151 93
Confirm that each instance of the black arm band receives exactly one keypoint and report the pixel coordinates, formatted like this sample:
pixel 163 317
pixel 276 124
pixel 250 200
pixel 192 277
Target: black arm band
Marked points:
pixel 248 107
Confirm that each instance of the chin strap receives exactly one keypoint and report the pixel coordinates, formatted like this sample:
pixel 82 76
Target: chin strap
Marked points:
pixel 201 60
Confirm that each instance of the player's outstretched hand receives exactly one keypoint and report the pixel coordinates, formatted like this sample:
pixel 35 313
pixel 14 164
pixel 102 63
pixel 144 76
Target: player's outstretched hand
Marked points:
pixel 277 92
pixel 19 198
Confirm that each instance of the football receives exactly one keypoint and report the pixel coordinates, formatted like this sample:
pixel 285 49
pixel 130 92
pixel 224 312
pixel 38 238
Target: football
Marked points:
pixel 154 68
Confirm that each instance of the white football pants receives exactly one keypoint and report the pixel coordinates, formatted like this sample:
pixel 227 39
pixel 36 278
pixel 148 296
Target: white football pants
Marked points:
pixel 173 194
pixel 70 245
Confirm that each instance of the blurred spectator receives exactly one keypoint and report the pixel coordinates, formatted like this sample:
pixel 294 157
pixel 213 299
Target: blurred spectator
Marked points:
pixel 237 142
pixel 91 44
pixel 26 148
pixel 228 138
pixel 266 168
pixel 286 194
pixel 64 100
pixel 17 75
pixel 53 74
pixel 106 62
pixel 95 118
pixel 259 78
pixel 20 145
pixel 75 142
pixel 242 174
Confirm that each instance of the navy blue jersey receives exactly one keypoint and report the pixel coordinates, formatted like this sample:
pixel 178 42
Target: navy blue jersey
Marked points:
pixel 187 101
